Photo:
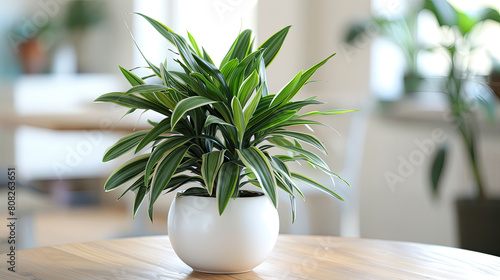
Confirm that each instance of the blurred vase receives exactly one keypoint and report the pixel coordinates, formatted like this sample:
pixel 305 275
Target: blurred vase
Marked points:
pixel 33 56
pixel 479 225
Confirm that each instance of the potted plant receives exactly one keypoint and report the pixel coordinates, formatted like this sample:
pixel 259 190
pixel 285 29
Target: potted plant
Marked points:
pixel 478 216
pixel 401 31
pixel 219 126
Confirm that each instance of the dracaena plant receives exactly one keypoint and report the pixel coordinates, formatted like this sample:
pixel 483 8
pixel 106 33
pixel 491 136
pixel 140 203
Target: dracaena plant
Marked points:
pixel 218 126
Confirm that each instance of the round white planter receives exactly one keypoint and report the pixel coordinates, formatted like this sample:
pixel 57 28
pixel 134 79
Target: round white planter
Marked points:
pixel 235 242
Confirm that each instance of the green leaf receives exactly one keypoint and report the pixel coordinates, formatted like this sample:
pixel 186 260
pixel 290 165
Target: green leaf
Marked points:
pixel 238 74
pixel 194 44
pixel 194 192
pixel 437 168
pixel 126 172
pixel 147 88
pixel 164 147
pixel 164 30
pixel 310 156
pixel 272 121
pixel 133 79
pixel 465 23
pixel 226 184
pixel 257 162
pixel 251 105
pixel 444 12
pixel 327 113
pixel 240 47
pixel 210 164
pixel 286 90
pixel 139 182
pixel 179 180
pixel 160 128
pixel 132 101
pixel 239 118
pixel 124 145
pixel 311 182
pixel 139 197
pixel 211 119
pixel 247 87
pixel 164 172
pixel 304 78
pixel 188 104
pixel 307 138
pixel 272 45
pixel 228 68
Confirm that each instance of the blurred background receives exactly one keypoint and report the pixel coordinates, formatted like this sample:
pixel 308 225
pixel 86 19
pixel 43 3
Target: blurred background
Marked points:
pixel 393 61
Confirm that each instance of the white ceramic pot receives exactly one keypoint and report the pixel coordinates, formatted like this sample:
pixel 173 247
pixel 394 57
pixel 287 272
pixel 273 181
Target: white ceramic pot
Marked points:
pixel 237 241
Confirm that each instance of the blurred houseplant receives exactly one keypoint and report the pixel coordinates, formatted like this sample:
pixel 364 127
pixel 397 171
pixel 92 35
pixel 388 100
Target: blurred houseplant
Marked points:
pixel 479 216
pixel 80 17
pixel 36 45
pixel 399 30
pixel 218 128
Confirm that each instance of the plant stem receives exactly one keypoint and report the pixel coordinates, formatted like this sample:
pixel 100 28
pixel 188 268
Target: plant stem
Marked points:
pixel 455 98
pixel 471 148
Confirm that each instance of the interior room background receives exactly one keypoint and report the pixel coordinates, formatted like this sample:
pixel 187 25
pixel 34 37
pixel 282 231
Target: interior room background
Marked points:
pixel 57 56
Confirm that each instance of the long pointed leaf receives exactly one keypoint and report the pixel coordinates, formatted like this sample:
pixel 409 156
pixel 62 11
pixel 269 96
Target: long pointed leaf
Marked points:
pixel 160 128
pixel 311 182
pixel 188 104
pixel 124 145
pixel 257 162
pixel 273 45
pixel 164 172
pixel 210 164
pixel 226 184
pixel 126 172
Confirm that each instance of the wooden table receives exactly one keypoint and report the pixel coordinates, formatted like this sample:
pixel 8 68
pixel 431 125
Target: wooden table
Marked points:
pixel 295 257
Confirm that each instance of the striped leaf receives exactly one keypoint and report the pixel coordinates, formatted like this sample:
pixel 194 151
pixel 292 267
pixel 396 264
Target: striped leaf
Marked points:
pixel 226 184
pixel 307 138
pixel 126 172
pixel 257 162
pixel 159 129
pixel 132 101
pixel 188 104
pixel 164 172
pixel 210 164
pixel 239 118
pixel 139 198
pixel 247 87
pixel 273 45
pixel 311 182
pixel 124 145
pixel 166 146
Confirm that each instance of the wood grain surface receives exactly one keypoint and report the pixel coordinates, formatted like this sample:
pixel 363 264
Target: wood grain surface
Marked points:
pixel 295 257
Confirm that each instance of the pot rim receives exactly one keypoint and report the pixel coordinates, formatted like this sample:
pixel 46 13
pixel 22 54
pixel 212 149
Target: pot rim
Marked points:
pixel 258 195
